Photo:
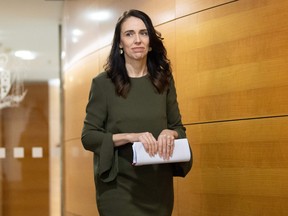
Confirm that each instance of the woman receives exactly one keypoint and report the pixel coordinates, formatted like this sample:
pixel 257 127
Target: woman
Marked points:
pixel 134 100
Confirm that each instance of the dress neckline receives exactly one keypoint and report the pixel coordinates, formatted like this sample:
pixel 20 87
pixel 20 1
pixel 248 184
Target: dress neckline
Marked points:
pixel 135 78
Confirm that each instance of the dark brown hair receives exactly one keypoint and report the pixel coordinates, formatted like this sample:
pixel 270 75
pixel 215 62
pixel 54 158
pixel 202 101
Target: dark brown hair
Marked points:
pixel 158 64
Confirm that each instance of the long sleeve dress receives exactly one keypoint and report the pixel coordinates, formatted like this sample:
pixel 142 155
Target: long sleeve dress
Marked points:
pixel 121 188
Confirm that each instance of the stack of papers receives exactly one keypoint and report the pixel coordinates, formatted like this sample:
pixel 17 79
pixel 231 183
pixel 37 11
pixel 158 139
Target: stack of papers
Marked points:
pixel 181 153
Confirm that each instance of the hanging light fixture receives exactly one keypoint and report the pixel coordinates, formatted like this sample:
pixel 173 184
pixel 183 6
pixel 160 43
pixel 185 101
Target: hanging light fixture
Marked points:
pixel 12 90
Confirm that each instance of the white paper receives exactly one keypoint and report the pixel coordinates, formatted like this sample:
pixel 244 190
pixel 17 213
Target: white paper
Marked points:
pixel 181 153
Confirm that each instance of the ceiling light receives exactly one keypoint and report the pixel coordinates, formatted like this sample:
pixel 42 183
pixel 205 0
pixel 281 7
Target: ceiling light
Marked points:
pixel 75 40
pixel 77 32
pixel 25 54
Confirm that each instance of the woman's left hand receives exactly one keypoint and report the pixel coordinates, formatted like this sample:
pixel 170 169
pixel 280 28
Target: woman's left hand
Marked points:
pixel 166 143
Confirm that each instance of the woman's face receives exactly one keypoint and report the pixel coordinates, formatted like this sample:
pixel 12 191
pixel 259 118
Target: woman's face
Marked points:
pixel 134 39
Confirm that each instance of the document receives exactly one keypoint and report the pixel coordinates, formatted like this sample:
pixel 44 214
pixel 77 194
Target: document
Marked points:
pixel 181 153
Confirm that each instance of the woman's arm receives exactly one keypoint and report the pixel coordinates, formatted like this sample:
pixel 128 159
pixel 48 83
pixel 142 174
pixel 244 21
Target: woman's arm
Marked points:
pixel 146 138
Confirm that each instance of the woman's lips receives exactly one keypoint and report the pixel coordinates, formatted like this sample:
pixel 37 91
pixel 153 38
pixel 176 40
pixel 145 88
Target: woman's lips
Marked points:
pixel 138 49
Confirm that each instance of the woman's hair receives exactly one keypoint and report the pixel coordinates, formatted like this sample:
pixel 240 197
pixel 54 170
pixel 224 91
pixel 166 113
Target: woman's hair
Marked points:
pixel 158 64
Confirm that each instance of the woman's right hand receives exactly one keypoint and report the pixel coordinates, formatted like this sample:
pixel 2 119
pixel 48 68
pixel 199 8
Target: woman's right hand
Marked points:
pixel 149 142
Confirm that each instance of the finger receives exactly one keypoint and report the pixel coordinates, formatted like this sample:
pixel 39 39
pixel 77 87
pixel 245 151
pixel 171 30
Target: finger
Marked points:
pixel 149 143
pixel 163 139
pixel 170 143
pixel 170 146
pixel 160 146
pixel 165 147
pixel 172 149
pixel 143 139
pixel 153 144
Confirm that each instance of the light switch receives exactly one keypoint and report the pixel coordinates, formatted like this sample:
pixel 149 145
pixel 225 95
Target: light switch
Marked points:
pixel 37 152
pixel 18 152
pixel 2 153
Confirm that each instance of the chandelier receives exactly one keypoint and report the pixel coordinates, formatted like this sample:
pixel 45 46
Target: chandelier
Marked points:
pixel 12 90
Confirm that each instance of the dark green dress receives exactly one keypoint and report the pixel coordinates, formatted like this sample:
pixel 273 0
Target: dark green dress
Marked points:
pixel 121 188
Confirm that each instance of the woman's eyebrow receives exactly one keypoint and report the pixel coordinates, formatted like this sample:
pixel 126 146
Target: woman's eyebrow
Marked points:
pixel 134 30
pixel 129 31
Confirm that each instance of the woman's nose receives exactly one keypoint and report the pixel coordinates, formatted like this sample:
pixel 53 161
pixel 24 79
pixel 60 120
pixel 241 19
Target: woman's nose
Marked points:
pixel 137 38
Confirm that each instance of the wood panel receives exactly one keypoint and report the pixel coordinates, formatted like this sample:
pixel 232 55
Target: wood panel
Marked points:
pixel 77 85
pixel 79 184
pixel 233 65
pixel 185 7
pixel 26 179
pixel 103 55
pixel 240 168
pixel 168 34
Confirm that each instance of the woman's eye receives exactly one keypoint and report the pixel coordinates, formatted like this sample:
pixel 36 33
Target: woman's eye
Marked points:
pixel 129 34
pixel 145 33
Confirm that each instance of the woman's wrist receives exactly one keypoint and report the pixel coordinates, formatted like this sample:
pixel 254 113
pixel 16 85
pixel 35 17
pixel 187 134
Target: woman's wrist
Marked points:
pixel 131 137
pixel 124 138
pixel 169 132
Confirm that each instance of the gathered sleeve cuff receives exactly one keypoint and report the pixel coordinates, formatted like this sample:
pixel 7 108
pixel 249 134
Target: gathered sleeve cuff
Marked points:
pixel 108 160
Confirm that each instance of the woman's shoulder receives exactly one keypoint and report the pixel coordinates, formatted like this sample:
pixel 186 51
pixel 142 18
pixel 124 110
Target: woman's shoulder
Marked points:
pixel 103 81
pixel 102 76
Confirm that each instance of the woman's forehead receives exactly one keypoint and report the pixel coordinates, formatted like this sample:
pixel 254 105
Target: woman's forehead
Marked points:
pixel 133 23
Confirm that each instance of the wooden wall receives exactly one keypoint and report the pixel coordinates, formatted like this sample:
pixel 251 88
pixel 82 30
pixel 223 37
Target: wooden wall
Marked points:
pixel 25 180
pixel 230 65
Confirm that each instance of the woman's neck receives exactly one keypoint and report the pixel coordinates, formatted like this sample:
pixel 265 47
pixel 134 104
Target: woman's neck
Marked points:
pixel 136 69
